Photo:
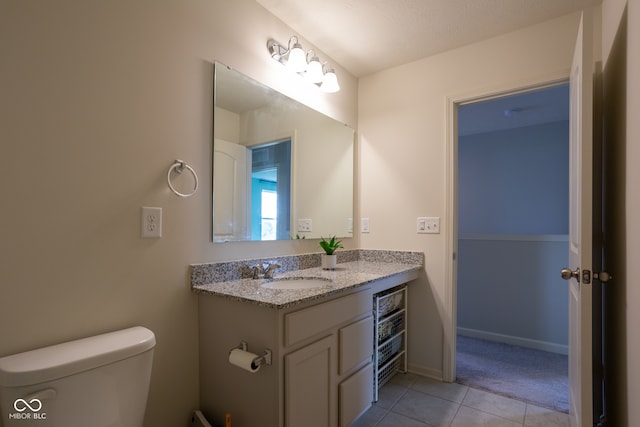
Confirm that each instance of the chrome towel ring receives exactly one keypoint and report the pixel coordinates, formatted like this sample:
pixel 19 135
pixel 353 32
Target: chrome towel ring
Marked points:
pixel 179 166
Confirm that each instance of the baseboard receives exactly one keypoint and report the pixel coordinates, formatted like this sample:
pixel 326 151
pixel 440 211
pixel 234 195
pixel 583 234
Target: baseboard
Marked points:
pixel 424 371
pixel 198 420
pixel 509 339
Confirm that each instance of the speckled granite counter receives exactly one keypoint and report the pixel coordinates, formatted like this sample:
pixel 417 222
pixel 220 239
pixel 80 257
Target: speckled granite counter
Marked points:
pixel 355 268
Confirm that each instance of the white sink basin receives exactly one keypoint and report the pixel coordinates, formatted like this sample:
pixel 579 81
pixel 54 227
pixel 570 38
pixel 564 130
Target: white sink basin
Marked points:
pixel 296 283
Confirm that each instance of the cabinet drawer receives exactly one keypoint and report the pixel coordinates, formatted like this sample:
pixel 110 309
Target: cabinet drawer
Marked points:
pixel 308 322
pixel 356 395
pixel 356 344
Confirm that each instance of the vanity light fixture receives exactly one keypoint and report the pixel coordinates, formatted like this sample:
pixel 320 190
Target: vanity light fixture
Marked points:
pixel 306 64
pixel 330 81
pixel 297 59
pixel 314 71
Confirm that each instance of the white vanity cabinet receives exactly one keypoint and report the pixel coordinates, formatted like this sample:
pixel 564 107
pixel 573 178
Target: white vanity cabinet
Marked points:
pixel 322 378
pixel 321 373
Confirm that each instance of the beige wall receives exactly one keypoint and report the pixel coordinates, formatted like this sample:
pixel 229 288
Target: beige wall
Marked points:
pixel 97 100
pixel 323 159
pixel 633 210
pixel 621 66
pixel 402 160
pixel 403 154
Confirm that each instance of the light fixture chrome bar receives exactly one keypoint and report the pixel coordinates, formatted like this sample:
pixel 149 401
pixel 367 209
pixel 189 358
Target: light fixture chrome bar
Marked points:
pixel 276 50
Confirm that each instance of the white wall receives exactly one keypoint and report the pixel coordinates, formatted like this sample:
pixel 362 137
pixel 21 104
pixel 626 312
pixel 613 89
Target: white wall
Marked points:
pixel 97 100
pixel 402 161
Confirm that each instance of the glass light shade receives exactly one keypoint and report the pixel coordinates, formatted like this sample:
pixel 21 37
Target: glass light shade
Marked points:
pixel 297 60
pixel 330 82
pixel 314 71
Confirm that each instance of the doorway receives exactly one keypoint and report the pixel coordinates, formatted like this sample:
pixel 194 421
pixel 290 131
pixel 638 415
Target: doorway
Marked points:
pixel 271 190
pixel 512 226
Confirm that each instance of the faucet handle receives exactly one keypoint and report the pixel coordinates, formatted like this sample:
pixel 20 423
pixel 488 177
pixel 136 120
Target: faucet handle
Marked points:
pixel 257 270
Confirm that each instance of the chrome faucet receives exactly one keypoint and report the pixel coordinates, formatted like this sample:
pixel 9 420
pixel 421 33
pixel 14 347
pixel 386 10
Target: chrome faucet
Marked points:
pixel 271 270
pixel 259 270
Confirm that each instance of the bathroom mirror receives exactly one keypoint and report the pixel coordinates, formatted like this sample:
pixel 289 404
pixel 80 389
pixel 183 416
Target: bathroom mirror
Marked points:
pixel 281 170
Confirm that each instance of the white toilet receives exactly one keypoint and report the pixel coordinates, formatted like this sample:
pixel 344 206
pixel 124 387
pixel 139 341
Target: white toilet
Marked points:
pixel 100 381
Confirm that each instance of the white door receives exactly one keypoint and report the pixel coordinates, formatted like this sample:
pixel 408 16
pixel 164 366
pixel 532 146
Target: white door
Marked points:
pixel 231 191
pixel 580 229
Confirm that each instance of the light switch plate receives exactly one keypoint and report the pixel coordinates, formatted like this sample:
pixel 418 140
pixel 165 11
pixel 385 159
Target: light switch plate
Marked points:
pixel 305 225
pixel 428 225
pixel 364 225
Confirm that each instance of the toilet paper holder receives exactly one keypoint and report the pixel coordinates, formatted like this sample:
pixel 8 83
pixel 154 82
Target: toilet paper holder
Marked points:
pixel 264 359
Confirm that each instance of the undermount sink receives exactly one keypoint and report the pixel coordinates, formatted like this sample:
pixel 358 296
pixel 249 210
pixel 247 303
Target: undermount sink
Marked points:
pixel 296 283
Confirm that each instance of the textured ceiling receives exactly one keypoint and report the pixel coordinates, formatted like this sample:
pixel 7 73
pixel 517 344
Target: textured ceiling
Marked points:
pixel 365 36
pixel 545 105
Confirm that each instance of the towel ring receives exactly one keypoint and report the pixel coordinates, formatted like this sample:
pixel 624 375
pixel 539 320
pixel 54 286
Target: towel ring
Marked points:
pixel 179 166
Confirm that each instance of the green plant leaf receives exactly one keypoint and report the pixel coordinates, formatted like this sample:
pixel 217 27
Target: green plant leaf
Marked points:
pixel 330 246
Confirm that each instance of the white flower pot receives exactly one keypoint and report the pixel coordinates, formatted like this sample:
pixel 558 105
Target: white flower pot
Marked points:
pixel 329 262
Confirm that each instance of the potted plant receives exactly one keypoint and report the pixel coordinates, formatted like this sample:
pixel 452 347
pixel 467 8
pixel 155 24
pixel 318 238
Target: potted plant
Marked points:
pixel 329 259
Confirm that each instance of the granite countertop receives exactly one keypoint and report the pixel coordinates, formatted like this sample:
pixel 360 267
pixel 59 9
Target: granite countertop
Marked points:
pixel 347 275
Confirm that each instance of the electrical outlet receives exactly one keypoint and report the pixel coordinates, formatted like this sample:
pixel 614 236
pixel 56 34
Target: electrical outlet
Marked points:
pixel 428 225
pixel 151 222
pixel 305 225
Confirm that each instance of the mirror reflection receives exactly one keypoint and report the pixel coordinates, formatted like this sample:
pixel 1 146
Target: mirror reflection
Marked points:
pixel 281 170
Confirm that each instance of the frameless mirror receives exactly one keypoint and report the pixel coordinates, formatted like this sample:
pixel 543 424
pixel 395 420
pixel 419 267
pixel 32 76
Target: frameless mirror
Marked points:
pixel 281 170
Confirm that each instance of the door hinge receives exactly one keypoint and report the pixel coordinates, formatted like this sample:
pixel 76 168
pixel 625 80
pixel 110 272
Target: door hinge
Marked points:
pixel 602 422
pixel 586 277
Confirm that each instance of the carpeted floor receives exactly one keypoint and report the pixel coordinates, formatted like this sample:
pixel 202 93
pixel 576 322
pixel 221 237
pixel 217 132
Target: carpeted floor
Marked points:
pixel 529 375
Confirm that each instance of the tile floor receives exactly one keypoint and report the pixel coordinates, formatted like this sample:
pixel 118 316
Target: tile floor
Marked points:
pixel 413 401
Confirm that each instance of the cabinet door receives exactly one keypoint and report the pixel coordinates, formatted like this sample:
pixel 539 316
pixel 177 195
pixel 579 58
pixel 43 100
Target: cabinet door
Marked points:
pixel 356 344
pixel 308 385
pixel 356 395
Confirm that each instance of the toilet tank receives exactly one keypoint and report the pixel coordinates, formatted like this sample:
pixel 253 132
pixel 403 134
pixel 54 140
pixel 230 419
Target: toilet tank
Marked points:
pixel 100 381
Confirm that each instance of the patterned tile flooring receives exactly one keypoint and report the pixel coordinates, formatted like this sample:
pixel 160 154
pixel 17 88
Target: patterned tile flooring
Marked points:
pixel 413 401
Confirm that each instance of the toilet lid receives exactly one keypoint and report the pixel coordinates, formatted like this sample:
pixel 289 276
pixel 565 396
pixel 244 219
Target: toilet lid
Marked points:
pixel 61 360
